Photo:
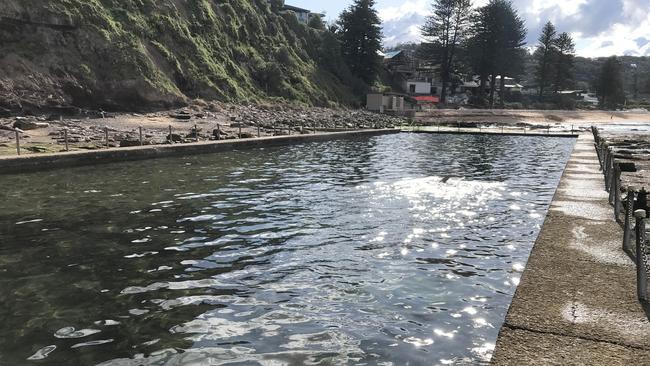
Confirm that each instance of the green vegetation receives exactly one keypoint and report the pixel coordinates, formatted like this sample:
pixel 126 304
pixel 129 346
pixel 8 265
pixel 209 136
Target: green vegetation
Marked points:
pixel 141 54
pixel 496 45
pixel 610 84
pixel 555 56
pixel 445 30
pixel 360 35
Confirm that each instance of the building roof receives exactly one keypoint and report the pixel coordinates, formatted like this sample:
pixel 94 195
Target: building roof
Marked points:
pixel 427 99
pixel 392 54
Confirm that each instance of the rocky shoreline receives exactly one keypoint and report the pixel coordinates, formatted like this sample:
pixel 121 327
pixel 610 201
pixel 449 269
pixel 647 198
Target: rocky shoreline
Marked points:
pixel 200 121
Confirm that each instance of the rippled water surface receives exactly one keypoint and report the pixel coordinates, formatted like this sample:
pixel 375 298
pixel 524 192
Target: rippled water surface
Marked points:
pixel 330 253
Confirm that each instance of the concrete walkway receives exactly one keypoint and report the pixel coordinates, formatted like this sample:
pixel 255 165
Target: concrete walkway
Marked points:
pixel 576 303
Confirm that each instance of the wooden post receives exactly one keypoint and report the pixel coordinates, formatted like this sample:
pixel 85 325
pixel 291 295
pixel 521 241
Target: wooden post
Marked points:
pixel 239 129
pixel 218 132
pixel 171 140
pixel 65 138
pixel 141 140
pixel 106 135
pixel 17 141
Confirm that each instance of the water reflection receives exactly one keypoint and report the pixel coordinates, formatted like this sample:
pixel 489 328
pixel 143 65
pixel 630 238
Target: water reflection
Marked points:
pixel 386 250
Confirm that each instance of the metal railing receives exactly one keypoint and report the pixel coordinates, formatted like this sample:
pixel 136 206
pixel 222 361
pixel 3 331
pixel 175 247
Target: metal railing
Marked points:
pixel 630 211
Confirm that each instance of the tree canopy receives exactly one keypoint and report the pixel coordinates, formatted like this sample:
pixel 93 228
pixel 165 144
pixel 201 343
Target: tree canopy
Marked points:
pixel 445 30
pixel 496 44
pixel 610 84
pixel 360 35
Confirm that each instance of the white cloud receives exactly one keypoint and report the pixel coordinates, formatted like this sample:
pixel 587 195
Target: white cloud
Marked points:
pixel 599 27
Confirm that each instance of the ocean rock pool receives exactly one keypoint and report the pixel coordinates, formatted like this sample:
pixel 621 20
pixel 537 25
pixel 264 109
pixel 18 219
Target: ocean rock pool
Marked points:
pixel 390 250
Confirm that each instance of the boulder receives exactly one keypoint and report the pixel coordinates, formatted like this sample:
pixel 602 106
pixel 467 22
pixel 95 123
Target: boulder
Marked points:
pixel 25 124
pixel 129 143
pixel 174 137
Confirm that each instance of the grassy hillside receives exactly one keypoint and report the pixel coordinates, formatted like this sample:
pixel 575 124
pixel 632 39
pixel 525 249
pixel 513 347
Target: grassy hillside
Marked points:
pixel 146 54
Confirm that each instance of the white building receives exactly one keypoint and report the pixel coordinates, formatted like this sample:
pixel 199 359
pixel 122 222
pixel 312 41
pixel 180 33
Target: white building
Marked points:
pixel 418 87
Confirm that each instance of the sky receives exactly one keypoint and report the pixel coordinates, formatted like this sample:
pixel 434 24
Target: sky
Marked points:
pixel 600 28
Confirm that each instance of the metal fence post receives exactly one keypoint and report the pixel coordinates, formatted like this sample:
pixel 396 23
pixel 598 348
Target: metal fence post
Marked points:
pixel 140 132
pixel 239 130
pixel 641 273
pixel 629 217
pixel 106 135
pixel 17 141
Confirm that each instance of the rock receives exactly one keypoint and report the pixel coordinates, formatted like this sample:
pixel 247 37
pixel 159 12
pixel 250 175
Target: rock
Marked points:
pixel 37 149
pixel 25 124
pixel 220 133
pixel 247 135
pixel 174 137
pixel 129 143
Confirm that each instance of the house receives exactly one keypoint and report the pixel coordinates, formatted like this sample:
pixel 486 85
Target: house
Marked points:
pixel 415 87
pixel 426 102
pixel 395 103
pixel 303 15
pixel 509 83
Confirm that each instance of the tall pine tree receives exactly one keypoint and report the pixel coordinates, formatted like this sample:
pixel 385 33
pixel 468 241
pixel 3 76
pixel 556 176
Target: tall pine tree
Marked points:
pixel 496 45
pixel 565 55
pixel 544 55
pixel 445 30
pixel 610 84
pixel 360 34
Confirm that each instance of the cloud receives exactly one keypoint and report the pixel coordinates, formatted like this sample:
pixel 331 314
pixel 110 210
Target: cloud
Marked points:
pixel 599 27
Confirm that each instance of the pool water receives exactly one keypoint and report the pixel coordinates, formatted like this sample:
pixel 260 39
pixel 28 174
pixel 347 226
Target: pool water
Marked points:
pixel 392 250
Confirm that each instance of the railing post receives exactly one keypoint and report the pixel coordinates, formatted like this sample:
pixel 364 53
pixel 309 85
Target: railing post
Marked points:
pixel 239 130
pixel 65 138
pixel 171 139
pixel 140 133
pixel 106 135
pixel 641 273
pixel 17 141
pixel 218 132
pixel 629 217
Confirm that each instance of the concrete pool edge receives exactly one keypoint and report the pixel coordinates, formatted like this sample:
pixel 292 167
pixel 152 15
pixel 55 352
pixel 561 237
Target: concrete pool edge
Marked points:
pixel 576 302
pixel 33 163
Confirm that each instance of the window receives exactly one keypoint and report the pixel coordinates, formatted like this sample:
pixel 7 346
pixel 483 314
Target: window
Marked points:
pixel 412 88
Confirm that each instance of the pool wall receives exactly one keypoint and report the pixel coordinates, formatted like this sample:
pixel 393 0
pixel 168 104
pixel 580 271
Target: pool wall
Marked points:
pixel 31 163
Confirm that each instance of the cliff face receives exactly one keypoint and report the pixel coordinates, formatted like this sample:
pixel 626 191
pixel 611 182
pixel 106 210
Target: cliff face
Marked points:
pixel 148 54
